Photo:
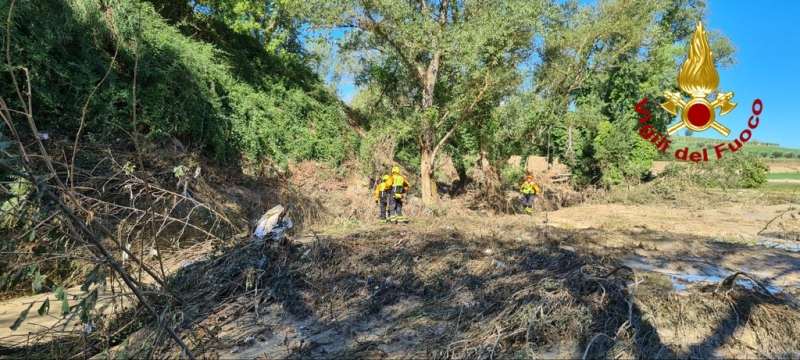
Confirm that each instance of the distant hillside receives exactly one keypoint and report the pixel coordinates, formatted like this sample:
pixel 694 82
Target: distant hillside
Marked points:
pixel 763 150
pixel 215 91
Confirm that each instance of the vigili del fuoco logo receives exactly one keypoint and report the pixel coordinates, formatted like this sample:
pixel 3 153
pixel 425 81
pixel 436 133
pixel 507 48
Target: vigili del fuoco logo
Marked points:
pixel 698 77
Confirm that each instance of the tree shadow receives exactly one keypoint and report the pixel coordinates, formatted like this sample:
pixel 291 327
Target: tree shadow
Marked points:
pixel 441 293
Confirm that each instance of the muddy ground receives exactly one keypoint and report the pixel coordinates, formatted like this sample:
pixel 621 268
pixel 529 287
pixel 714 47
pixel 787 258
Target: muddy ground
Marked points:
pixel 499 286
pixel 598 279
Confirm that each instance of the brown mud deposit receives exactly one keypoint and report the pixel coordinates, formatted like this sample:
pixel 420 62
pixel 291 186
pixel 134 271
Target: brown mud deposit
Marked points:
pixel 593 280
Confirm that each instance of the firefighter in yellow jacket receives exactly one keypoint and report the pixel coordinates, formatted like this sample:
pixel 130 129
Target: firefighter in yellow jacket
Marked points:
pixel 399 186
pixel 529 191
pixel 382 196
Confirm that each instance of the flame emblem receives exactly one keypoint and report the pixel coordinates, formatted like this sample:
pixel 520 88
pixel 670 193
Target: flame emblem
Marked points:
pixel 698 77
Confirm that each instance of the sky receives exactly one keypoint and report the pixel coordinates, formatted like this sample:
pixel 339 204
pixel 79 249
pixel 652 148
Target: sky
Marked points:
pixel 767 36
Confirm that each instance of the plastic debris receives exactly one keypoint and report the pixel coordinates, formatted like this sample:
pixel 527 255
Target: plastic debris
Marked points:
pixel 274 223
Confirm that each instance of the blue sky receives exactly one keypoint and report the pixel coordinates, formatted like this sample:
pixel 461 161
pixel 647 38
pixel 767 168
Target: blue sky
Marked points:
pixel 767 35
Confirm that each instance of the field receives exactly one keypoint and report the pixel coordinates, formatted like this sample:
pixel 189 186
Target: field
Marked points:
pixel 791 176
pixel 764 151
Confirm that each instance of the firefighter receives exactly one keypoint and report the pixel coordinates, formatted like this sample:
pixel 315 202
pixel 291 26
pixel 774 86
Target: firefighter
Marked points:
pixel 529 191
pixel 399 185
pixel 382 196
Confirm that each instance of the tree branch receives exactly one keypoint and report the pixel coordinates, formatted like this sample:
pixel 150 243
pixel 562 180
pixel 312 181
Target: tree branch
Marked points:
pixel 443 13
pixel 444 118
pixel 372 25
pixel 466 112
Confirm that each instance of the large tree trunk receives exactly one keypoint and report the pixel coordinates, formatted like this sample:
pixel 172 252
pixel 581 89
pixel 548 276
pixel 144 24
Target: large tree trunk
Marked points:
pixel 426 175
pixel 428 141
pixel 493 194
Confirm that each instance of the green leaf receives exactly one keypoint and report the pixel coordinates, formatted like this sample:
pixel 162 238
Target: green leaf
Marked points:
pixel 21 318
pixel 64 306
pixel 60 293
pixel 45 308
pixel 87 305
pixel 31 269
pixel 37 282
pixel 32 235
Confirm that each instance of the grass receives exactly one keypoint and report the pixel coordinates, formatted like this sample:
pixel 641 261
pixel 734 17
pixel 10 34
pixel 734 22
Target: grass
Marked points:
pixel 781 187
pixel 795 176
pixel 694 143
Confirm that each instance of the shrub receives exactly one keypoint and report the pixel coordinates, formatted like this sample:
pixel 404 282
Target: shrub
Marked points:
pixel 217 92
pixel 776 154
pixel 753 171
pixel 512 176
pixel 738 170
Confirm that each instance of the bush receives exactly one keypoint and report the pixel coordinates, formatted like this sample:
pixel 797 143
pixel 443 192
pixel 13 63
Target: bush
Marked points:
pixel 621 154
pixel 789 155
pixel 512 176
pixel 218 92
pixel 776 154
pixel 753 171
pixel 739 170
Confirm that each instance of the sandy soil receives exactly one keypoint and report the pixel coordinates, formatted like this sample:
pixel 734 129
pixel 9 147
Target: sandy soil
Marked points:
pixel 683 241
pixel 784 166
pixel 710 241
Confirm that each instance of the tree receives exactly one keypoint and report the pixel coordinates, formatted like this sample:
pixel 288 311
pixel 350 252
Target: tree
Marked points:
pixel 600 60
pixel 444 57
pixel 266 20
pixel 688 132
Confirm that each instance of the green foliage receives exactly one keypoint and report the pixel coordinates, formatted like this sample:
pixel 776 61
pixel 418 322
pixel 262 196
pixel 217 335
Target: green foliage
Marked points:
pixel 13 207
pixel 219 91
pixel 447 62
pixel 622 154
pixel 752 170
pixel 512 176
pixel 265 20
pixel 732 171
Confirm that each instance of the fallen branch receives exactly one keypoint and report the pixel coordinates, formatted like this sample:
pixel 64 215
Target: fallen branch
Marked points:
pixel 730 280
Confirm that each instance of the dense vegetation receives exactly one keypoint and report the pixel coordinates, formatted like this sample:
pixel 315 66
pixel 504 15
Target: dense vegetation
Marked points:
pixel 235 80
pixel 214 90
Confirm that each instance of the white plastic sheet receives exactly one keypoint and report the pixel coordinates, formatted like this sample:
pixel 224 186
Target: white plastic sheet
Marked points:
pixel 270 224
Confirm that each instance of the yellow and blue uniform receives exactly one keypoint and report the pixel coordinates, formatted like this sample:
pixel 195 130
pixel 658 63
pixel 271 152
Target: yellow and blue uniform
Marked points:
pixel 399 186
pixel 382 195
pixel 529 190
